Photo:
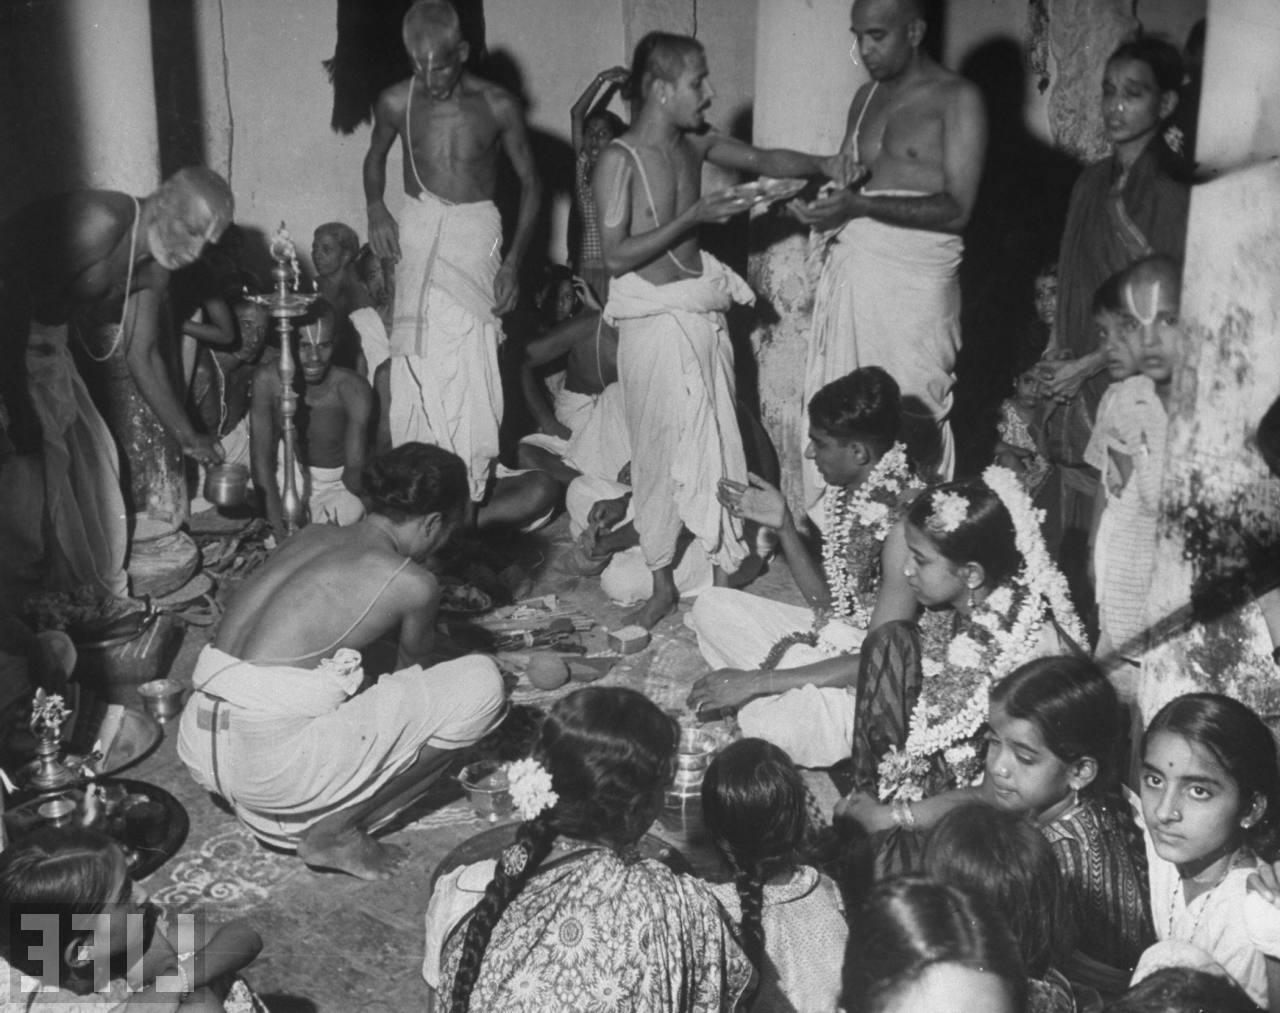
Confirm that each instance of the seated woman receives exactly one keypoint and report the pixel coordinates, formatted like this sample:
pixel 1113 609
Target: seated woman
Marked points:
pixel 571 919
pixel 975 550
pixel 77 935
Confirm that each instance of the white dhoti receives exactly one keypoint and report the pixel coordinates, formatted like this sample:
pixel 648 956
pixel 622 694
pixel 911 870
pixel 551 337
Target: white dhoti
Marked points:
pixel 445 388
pixel 627 580
pixel 811 724
pixel 675 366
pixel 374 342
pixel 77 522
pixel 289 746
pixel 329 501
pixel 598 444
pixel 890 297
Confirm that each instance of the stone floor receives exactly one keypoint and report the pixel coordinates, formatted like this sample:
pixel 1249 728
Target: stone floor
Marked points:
pixel 333 943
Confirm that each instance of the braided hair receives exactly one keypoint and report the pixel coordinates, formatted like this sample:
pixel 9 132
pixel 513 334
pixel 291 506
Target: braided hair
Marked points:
pixel 755 805
pixel 610 753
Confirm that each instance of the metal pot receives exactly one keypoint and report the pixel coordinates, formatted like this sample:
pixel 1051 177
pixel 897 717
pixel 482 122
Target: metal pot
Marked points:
pixel 227 485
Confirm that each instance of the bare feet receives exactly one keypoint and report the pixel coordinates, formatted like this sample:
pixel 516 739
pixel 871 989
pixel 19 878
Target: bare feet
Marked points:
pixel 355 853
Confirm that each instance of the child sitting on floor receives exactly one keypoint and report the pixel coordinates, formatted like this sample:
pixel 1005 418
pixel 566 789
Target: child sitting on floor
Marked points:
pixel 1021 419
pixel 77 934
pixel 791 916
pixel 1003 858
pixel 1128 446
pixel 572 918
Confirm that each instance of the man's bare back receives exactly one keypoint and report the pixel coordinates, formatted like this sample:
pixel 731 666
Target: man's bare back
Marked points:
pixel 315 587
pixel 673 172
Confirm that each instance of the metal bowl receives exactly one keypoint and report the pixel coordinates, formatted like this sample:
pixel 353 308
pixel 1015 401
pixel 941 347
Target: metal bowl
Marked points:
pixel 227 485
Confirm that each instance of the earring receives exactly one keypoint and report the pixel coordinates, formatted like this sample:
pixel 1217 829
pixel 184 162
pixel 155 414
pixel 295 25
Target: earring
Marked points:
pixel 972 602
pixel 84 954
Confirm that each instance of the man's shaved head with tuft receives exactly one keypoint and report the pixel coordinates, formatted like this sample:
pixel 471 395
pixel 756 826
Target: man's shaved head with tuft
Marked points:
pixel 432 20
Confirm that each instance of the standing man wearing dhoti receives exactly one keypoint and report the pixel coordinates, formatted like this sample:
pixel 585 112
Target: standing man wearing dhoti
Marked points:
pixel 452 282
pixel 889 294
pixel 675 363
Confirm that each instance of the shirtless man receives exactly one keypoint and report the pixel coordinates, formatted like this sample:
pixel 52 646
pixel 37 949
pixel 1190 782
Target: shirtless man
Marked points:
pixel 278 724
pixel 333 429
pixel 94 257
pixel 668 298
pixel 452 283
pixel 583 431
pixel 889 294
pixel 76 262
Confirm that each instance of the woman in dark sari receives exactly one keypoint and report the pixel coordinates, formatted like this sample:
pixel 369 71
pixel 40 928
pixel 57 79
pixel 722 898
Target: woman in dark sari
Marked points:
pixel 1127 206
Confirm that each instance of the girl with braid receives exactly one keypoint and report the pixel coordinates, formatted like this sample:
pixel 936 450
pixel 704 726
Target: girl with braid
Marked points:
pixel 791 916
pixel 571 917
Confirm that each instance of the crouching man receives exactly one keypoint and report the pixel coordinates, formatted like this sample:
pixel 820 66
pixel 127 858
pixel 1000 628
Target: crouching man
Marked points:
pixel 279 725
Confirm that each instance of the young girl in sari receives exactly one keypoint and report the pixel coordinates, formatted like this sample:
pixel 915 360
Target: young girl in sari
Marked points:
pixel 1210 789
pixel 77 935
pixel 792 919
pixel 572 919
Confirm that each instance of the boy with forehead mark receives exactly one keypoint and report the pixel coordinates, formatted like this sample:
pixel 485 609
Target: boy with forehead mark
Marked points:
pixel 333 429
pixel 452 282
pixel 889 293
pixel 675 362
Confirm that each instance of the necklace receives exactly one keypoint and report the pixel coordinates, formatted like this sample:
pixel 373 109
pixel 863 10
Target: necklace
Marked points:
pixel 1179 892
pixel 857 521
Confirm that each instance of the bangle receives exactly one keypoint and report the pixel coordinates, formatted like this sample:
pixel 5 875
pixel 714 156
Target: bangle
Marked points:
pixel 184 980
pixel 901 814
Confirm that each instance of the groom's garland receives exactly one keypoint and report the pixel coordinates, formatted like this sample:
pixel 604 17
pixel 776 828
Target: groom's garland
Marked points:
pixel 1002 633
pixel 857 522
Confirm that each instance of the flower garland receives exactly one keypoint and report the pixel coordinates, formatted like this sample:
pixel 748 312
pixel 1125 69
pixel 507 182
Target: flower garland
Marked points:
pixel 1001 633
pixel 857 521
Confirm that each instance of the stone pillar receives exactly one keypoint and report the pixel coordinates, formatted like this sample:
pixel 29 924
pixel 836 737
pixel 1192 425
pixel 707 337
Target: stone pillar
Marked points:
pixel 1220 528
pixel 1081 35
pixel 109 43
pixel 114 110
pixel 804 84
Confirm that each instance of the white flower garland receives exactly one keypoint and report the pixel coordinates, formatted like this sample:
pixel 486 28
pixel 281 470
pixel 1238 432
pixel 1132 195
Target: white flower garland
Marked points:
pixel 531 790
pixel 1013 616
pixel 846 508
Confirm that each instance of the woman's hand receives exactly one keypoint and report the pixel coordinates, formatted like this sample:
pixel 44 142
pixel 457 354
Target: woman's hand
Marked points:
pixel 1062 380
pixel 860 808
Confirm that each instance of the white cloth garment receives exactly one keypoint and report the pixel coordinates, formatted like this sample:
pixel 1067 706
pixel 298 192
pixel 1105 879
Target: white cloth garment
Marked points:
pixel 374 342
pixel 598 444
pixel 890 297
pixel 626 580
pixel 294 745
pixel 675 366
pixel 444 384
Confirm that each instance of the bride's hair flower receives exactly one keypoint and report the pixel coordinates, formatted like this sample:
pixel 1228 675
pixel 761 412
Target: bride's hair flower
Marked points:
pixel 531 790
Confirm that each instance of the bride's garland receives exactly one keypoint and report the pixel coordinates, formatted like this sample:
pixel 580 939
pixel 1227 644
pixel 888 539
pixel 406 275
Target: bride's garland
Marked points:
pixel 857 523
pixel 1002 633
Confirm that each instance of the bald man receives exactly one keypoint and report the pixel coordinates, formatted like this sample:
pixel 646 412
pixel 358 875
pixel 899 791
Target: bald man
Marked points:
pixel 889 294
pixel 452 281
pixel 96 262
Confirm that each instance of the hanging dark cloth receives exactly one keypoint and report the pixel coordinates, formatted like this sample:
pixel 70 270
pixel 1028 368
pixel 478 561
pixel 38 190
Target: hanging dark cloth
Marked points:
pixel 370 56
